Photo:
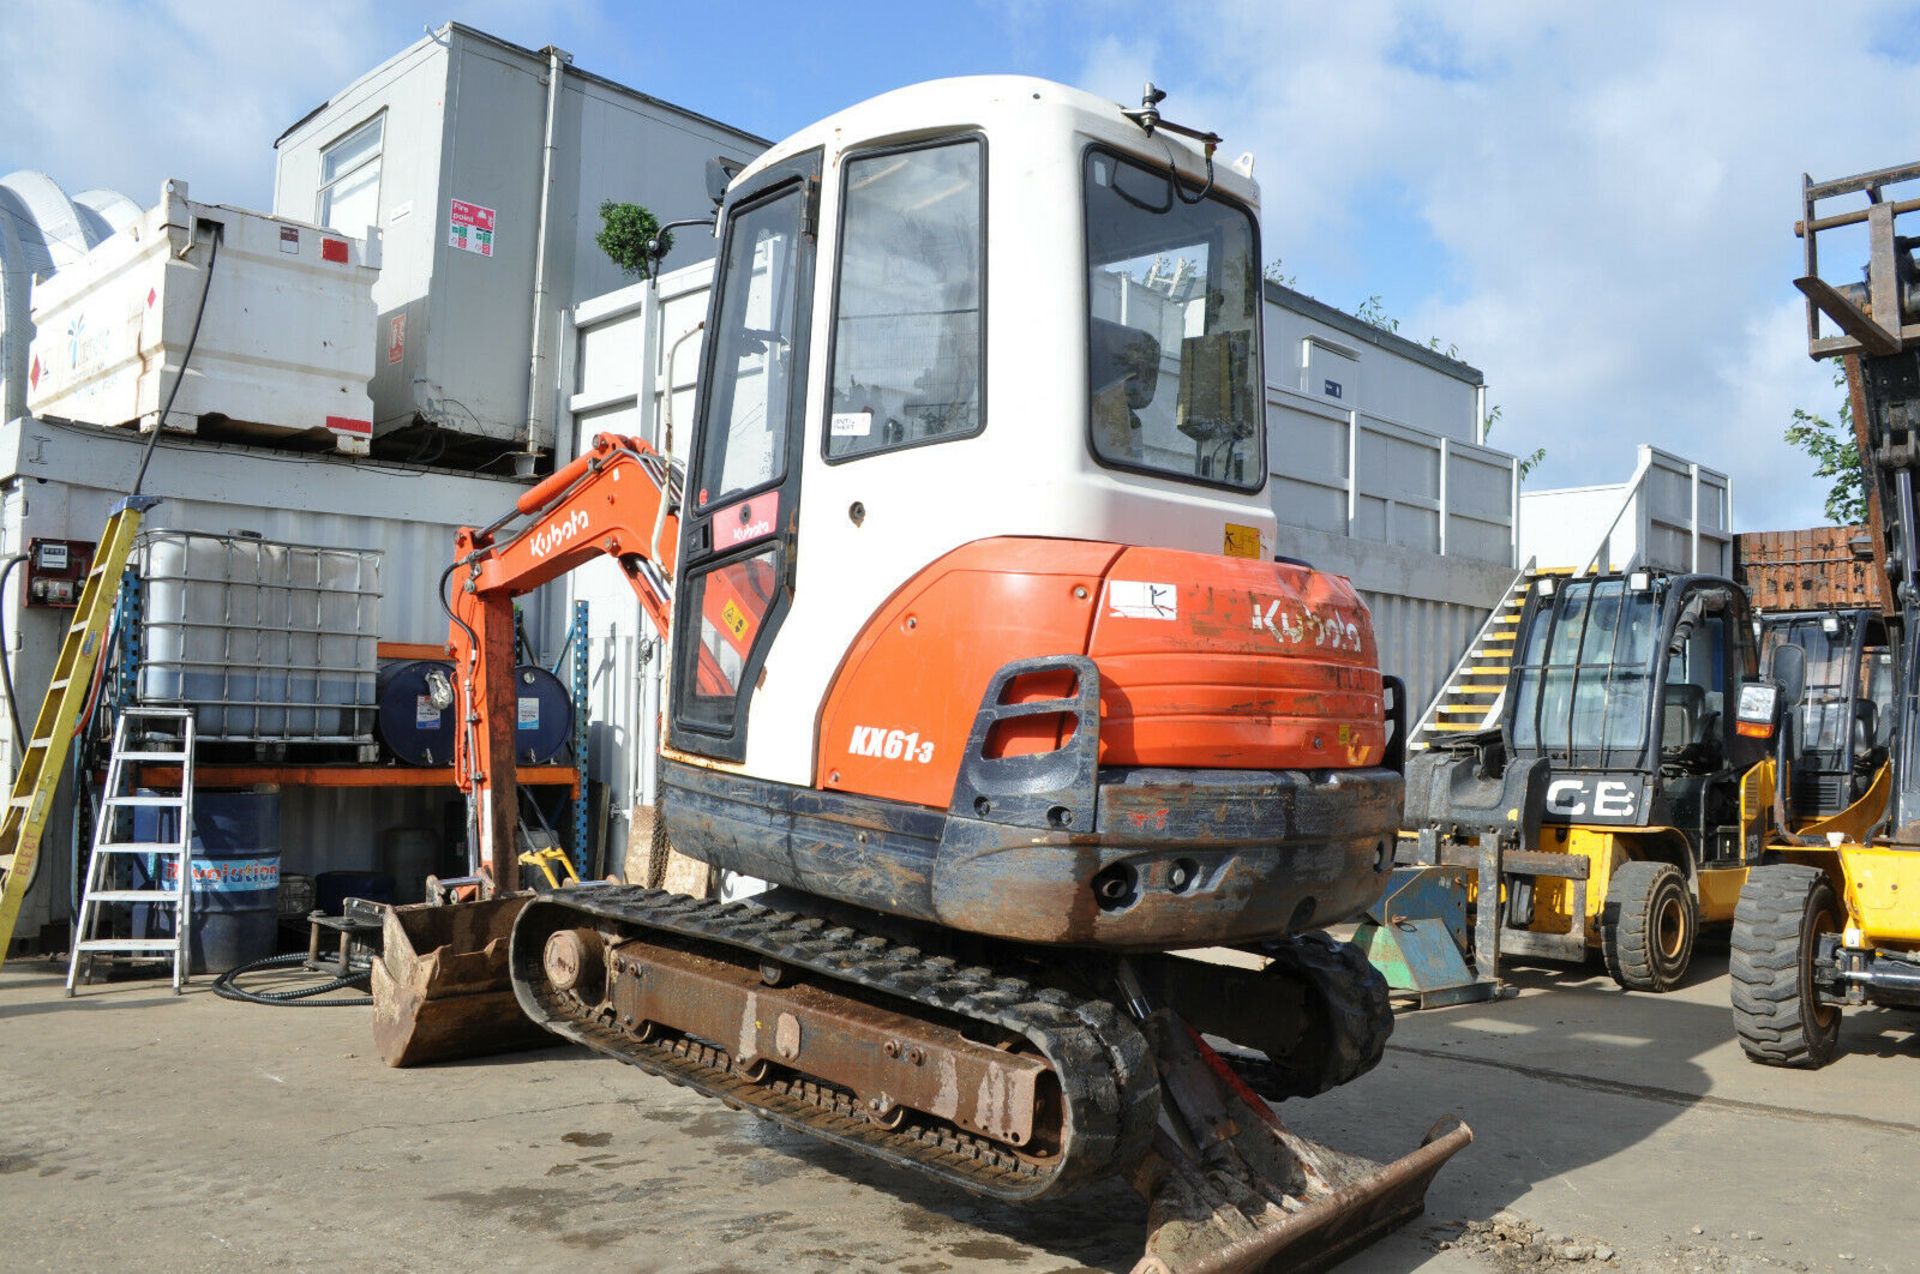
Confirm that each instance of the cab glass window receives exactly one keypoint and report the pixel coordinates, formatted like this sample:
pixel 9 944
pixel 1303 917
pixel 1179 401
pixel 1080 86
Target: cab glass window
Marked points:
pixel 1173 342
pixel 753 365
pixel 908 341
pixel 1582 685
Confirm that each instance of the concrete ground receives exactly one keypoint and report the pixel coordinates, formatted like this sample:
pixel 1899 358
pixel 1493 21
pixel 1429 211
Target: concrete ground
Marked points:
pixel 137 1131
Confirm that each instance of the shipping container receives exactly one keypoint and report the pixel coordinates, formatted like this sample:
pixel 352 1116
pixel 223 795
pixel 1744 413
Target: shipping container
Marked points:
pixel 230 321
pixel 1820 568
pixel 484 164
pixel 59 481
pixel 1374 437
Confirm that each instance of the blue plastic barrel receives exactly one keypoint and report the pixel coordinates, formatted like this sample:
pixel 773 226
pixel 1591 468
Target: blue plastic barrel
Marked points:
pixel 411 727
pixel 236 877
pixel 543 715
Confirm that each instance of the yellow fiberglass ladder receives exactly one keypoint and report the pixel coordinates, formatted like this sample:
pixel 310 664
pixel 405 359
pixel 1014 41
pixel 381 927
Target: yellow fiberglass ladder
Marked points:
pixel 25 822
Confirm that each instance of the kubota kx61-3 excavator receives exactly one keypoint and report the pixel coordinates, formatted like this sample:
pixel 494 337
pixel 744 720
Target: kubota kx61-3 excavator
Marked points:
pixel 980 654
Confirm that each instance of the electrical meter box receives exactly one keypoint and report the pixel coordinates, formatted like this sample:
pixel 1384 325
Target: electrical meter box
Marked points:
pixel 56 571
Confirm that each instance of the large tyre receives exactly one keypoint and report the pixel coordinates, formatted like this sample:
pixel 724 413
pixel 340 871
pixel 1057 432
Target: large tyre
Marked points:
pixel 1648 926
pixel 1350 1016
pixel 1783 910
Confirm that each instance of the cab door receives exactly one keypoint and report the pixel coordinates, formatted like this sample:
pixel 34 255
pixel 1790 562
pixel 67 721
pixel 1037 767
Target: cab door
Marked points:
pixel 741 504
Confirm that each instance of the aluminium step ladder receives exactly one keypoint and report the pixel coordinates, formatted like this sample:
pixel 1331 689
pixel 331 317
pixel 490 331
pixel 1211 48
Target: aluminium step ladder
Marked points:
pixel 134 743
pixel 23 825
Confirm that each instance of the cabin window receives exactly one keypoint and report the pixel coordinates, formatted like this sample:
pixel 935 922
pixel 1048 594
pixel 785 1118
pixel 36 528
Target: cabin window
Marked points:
pixel 1173 339
pixel 350 179
pixel 909 343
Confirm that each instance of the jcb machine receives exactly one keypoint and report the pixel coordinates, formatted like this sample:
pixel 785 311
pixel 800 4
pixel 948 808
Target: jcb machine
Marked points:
pixel 980 654
pixel 1841 729
pixel 1629 800
pixel 1829 923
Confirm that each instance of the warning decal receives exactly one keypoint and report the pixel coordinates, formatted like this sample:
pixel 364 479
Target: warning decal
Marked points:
pixel 470 227
pixel 1142 599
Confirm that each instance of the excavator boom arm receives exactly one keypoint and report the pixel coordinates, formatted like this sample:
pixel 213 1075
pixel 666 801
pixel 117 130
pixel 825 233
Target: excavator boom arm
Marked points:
pixel 620 500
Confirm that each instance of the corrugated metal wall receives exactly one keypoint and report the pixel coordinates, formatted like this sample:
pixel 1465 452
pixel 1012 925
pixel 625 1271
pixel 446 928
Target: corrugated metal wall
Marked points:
pixel 1420 640
pixel 60 481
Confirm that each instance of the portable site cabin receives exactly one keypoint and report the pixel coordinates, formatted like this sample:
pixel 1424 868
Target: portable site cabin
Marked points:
pixel 484 164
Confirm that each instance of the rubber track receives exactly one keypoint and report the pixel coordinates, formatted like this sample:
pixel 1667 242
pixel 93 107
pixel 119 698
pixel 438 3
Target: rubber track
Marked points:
pixel 1102 1060
pixel 1769 1012
pixel 1354 1017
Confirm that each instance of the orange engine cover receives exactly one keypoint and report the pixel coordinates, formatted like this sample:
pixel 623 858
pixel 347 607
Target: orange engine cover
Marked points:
pixel 1205 662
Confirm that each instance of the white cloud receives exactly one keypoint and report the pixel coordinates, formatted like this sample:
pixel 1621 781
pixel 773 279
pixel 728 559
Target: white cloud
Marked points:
pixel 1610 189
pixel 127 93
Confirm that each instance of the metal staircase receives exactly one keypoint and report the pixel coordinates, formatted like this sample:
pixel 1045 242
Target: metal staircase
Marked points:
pixel 1477 686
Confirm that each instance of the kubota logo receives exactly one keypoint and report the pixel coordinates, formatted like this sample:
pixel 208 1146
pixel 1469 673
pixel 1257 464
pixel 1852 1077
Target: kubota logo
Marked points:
pixel 554 534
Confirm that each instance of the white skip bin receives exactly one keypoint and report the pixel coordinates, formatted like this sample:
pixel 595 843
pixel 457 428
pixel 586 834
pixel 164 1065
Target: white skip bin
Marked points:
pixel 285 344
pixel 269 643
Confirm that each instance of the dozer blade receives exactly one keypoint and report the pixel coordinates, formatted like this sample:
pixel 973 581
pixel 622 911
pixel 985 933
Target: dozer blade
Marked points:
pixel 441 988
pixel 1230 1188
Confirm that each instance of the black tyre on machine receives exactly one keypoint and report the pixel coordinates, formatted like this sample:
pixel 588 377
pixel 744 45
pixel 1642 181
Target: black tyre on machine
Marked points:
pixel 1648 926
pixel 1777 1013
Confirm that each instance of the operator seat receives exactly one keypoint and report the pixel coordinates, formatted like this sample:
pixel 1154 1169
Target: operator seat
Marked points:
pixel 1684 721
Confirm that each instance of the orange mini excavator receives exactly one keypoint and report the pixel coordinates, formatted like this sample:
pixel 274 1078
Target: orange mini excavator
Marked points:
pixel 979 655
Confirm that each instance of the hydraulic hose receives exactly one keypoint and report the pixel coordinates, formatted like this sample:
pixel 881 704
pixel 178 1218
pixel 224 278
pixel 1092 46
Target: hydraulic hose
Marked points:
pixel 227 987
pixel 193 338
pixel 6 660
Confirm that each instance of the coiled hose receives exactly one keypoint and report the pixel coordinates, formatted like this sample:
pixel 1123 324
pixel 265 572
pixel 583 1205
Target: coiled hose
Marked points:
pixel 226 985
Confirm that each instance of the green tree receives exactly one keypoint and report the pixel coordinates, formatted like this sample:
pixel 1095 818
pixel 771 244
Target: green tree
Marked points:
pixel 1372 311
pixel 1836 457
pixel 1528 463
pixel 627 233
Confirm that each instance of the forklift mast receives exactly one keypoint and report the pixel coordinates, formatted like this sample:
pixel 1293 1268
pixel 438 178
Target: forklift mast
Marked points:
pixel 1879 345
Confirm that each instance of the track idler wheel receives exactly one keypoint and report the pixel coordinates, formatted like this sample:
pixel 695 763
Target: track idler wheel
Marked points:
pixel 575 961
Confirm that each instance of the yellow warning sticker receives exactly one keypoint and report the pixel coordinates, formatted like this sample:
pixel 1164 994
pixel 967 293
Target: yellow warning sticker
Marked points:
pixel 1242 541
pixel 735 619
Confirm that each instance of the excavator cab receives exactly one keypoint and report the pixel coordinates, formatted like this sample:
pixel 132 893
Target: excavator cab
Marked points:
pixel 1842 730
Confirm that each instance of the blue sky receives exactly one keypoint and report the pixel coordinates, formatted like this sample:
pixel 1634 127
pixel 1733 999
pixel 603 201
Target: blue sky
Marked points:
pixel 1591 202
